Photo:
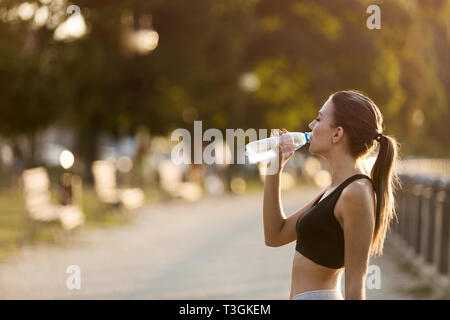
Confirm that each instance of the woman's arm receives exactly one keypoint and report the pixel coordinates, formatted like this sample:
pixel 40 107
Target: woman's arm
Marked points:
pixel 355 208
pixel 279 230
pixel 273 215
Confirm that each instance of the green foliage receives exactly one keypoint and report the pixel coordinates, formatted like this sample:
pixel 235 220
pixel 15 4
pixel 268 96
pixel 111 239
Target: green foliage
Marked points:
pixel 302 51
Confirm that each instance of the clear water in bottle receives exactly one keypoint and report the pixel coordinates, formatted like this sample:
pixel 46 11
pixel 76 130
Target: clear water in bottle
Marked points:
pixel 261 150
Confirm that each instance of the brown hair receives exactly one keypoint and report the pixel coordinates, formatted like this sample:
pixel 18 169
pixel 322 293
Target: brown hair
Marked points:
pixel 362 122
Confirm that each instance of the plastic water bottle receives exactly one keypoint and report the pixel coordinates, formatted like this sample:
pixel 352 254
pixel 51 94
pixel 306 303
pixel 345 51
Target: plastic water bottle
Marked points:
pixel 261 150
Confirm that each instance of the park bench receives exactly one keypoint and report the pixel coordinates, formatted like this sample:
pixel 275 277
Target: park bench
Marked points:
pixel 104 173
pixel 39 208
pixel 172 184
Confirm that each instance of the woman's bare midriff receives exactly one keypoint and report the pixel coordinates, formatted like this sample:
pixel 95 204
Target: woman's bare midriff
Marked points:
pixel 308 276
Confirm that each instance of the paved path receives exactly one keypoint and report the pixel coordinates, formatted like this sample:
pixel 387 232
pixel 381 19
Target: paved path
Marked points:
pixel 212 249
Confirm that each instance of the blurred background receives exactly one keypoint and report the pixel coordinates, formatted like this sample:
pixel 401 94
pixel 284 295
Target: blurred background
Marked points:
pixel 92 90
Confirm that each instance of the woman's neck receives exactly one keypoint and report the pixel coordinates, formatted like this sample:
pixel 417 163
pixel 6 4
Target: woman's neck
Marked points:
pixel 343 166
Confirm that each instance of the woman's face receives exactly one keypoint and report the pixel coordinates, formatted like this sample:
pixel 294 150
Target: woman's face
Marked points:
pixel 322 130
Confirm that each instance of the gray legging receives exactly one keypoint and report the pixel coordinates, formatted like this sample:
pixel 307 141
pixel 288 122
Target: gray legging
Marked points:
pixel 319 295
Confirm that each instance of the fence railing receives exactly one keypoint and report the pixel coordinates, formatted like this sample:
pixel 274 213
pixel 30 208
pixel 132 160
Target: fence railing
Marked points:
pixel 425 166
pixel 423 211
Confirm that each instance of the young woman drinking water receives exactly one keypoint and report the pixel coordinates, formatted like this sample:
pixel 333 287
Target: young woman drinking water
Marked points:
pixel 346 223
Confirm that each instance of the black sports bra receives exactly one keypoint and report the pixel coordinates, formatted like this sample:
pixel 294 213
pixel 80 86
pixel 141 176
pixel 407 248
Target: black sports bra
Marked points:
pixel 319 235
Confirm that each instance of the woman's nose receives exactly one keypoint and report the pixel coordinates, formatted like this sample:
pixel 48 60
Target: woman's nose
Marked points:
pixel 310 125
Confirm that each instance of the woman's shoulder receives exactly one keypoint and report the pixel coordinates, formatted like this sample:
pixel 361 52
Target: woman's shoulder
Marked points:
pixel 358 190
pixel 356 197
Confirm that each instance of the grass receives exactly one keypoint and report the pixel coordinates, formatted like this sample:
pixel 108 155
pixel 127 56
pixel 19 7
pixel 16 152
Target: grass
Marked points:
pixel 10 220
pixel 254 185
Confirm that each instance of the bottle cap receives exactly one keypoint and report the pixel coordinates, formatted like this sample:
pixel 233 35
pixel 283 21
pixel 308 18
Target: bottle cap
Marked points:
pixel 308 136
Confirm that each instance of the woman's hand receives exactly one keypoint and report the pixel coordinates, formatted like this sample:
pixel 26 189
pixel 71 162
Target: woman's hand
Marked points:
pixel 285 149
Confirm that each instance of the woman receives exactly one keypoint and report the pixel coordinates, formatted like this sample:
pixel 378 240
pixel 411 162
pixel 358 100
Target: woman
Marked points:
pixel 349 218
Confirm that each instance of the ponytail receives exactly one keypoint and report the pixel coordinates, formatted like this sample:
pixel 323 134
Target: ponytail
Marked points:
pixel 385 183
pixel 362 121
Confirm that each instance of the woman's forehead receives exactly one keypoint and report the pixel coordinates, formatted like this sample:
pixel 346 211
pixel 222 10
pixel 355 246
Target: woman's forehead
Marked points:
pixel 326 108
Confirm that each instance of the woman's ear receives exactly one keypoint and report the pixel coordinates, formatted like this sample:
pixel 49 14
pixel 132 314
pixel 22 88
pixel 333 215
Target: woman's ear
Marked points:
pixel 338 134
